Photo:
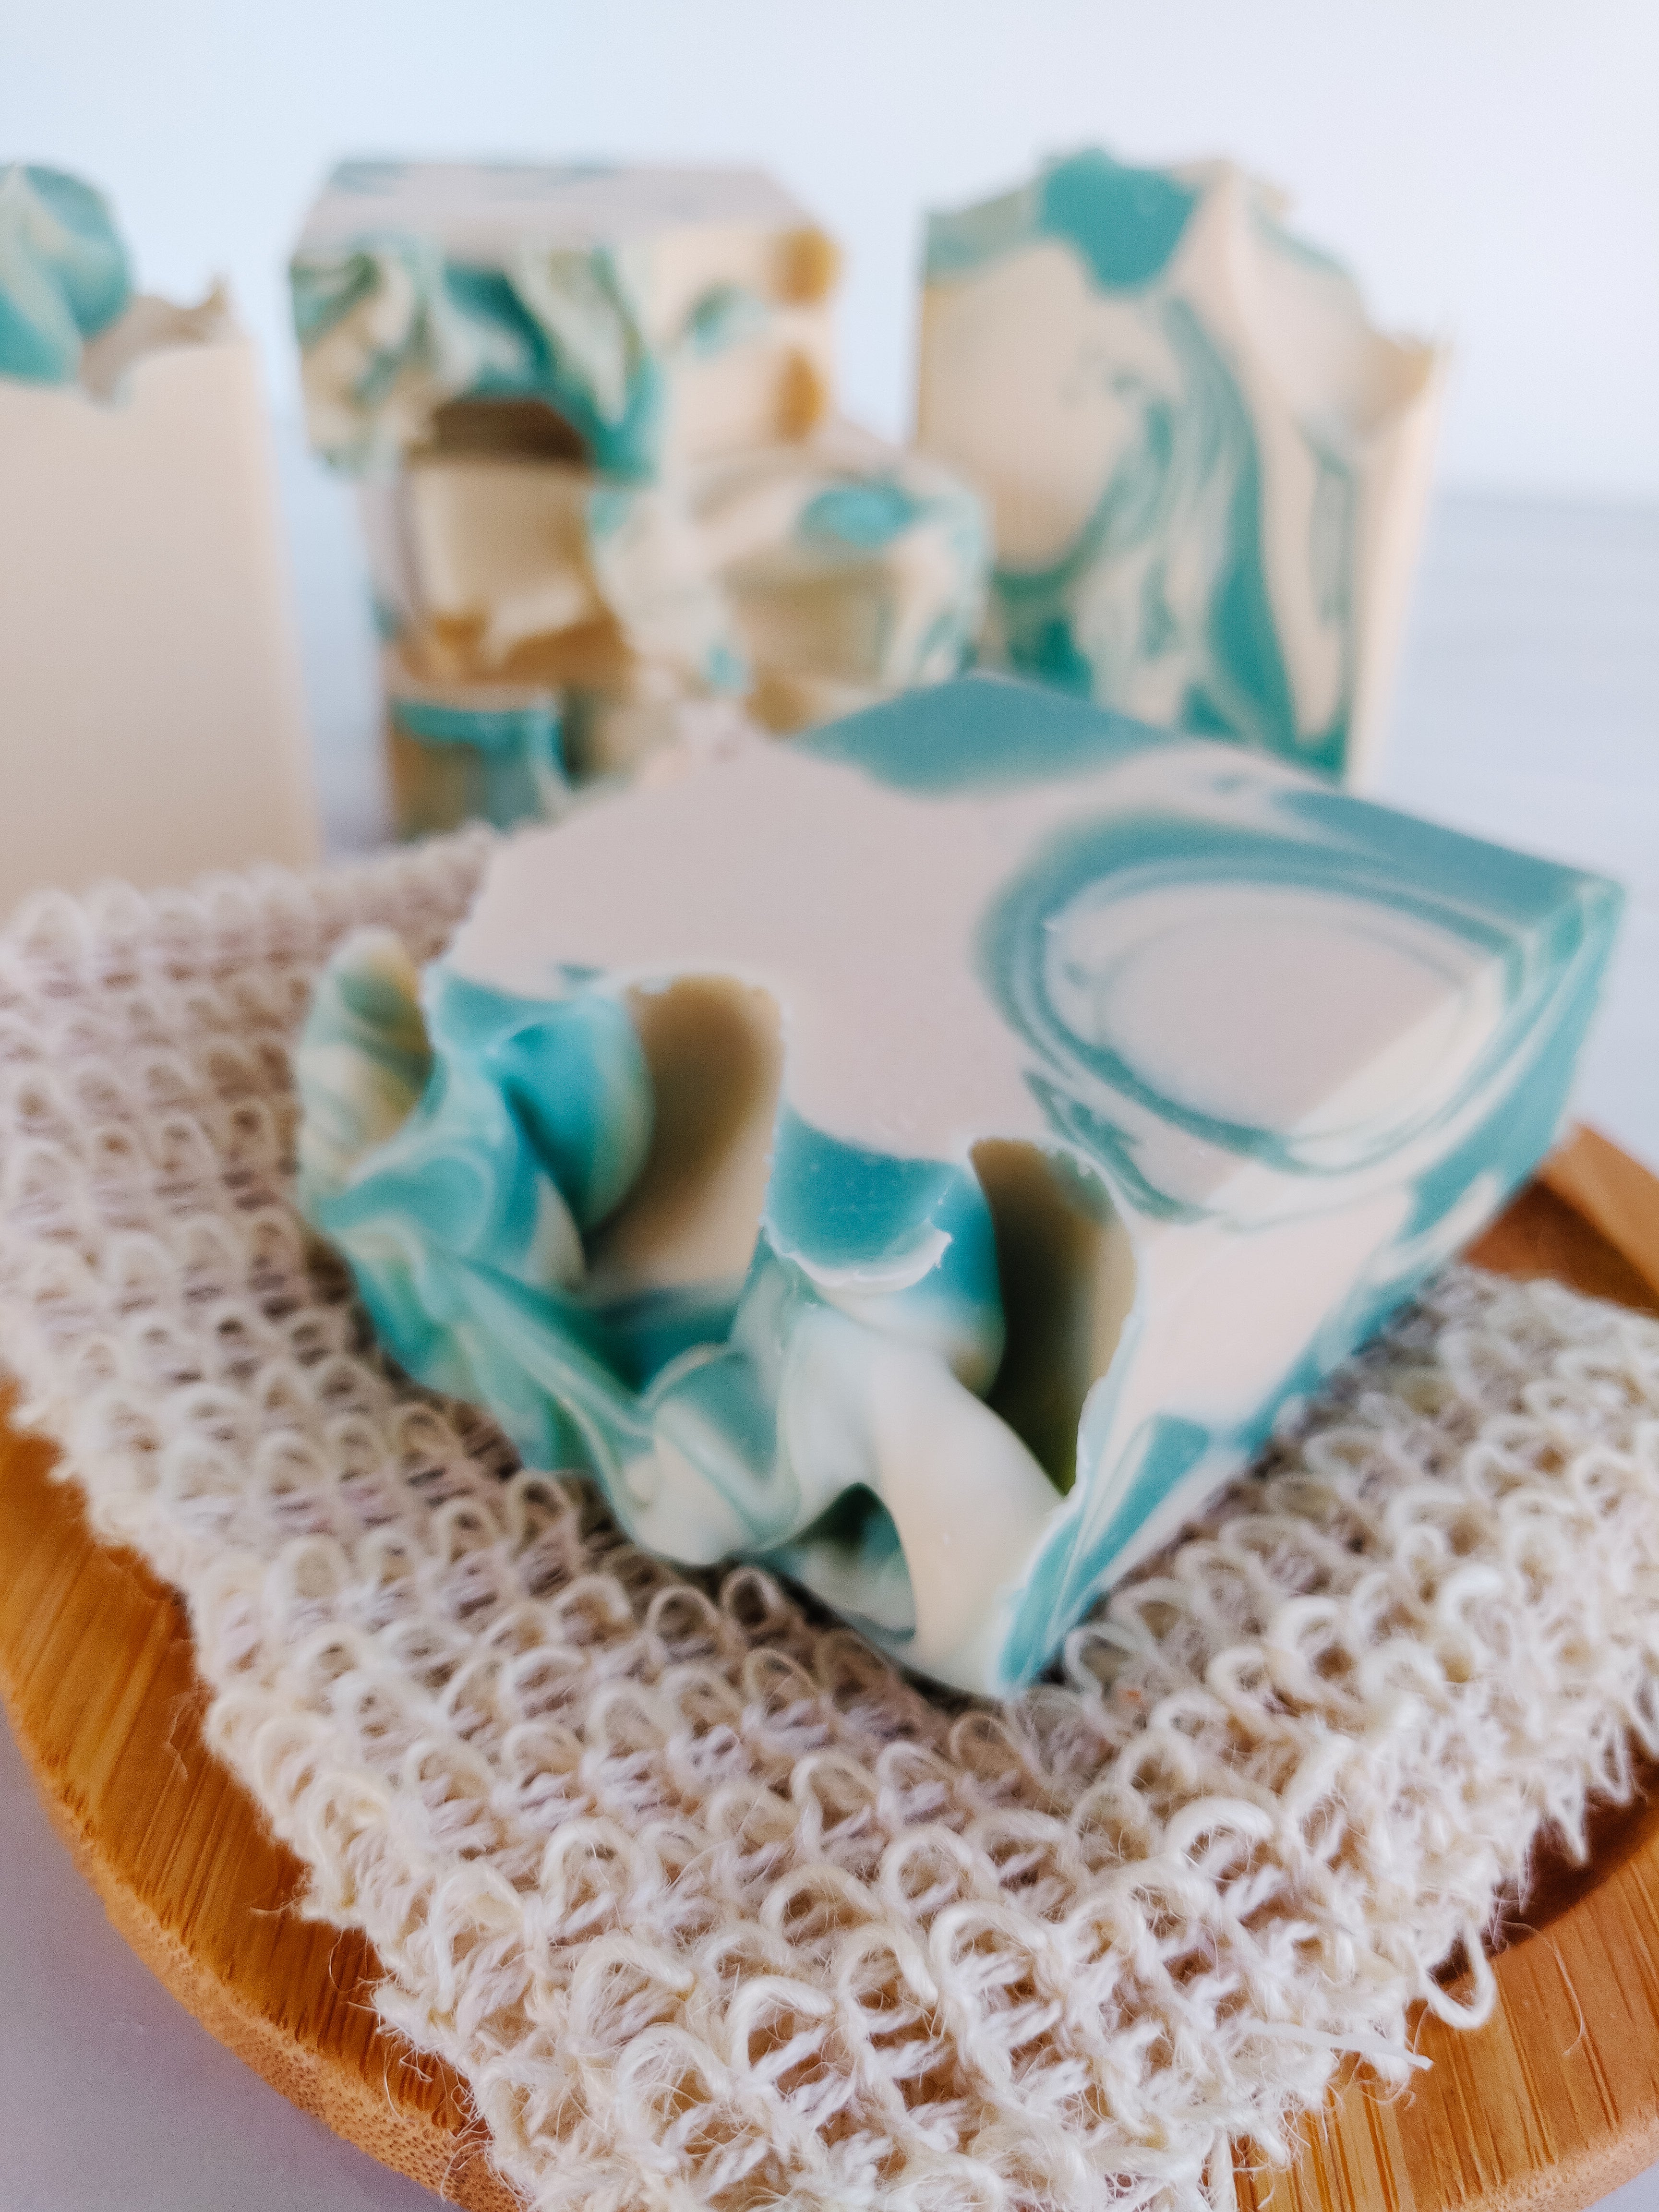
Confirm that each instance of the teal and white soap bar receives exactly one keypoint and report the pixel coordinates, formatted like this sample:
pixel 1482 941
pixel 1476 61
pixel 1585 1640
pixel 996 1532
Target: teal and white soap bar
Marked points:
pixel 660 315
pixel 808 578
pixel 1207 471
pixel 926 1155
pixel 514 567
pixel 152 722
pixel 852 569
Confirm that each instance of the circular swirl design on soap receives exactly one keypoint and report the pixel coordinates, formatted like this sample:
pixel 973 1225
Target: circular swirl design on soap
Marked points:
pixel 1179 979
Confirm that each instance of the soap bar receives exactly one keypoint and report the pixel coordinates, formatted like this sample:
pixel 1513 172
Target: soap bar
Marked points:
pixel 925 1156
pixel 1207 471
pixel 541 625
pixel 460 752
pixel 852 569
pixel 149 683
pixel 539 571
pixel 653 316
pixel 830 572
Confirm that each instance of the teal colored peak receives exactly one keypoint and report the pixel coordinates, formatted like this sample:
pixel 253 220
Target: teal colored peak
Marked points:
pixel 1124 222
pixel 64 272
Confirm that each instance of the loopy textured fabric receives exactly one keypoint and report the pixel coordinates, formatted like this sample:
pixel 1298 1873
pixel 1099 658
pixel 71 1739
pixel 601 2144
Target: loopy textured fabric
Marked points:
pixel 709 1906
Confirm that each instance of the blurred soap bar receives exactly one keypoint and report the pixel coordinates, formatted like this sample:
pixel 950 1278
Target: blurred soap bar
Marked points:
pixel 853 570
pixel 460 752
pixel 154 726
pixel 538 569
pixel 1207 471
pixel 652 316
pixel 926 1155
pixel 543 626
pixel 807 578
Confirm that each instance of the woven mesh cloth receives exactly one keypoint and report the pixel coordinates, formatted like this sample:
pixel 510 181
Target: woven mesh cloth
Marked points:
pixel 708 1906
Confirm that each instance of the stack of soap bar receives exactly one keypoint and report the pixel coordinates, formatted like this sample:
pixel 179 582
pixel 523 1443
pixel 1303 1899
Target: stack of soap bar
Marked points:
pixel 153 725
pixel 1207 471
pixel 576 400
pixel 925 1156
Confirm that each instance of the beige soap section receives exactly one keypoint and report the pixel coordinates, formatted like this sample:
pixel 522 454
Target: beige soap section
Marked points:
pixel 151 715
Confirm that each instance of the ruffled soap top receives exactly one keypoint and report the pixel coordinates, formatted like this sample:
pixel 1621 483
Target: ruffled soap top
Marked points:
pixel 64 275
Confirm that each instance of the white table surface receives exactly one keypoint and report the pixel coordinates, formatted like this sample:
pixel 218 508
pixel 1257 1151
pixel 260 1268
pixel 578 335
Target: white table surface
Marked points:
pixel 1528 709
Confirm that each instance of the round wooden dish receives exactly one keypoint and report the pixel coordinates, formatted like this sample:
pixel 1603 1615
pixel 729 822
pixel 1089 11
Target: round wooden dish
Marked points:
pixel 1554 2103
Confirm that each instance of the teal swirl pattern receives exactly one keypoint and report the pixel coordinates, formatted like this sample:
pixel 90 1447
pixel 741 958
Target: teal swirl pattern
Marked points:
pixel 926 534
pixel 1167 586
pixel 1059 951
pixel 64 272
pixel 513 756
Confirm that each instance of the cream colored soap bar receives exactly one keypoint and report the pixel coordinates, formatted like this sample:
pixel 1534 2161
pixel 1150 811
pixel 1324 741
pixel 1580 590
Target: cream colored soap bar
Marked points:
pixel 151 719
pixel 659 314
pixel 1207 471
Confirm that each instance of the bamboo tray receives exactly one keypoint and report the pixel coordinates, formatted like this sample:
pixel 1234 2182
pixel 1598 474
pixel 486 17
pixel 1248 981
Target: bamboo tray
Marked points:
pixel 1554 2103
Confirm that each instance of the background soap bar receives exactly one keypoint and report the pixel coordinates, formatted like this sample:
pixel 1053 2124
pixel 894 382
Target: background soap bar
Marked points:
pixel 533 570
pixel 839 558
pixel 661 314
pixel 149 683
pixel 1207 471
pixel 853 570
pixel 927 1155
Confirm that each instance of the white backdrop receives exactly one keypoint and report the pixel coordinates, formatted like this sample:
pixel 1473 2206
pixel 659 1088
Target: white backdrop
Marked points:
pixel 1489 167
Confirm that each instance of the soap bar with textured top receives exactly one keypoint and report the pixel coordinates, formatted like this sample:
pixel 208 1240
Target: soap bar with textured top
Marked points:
pixel 853 570
pixel 538 571
pixel 825 574
pixel 925 1156
pixel 152 721
pixel 1207 471
pixel 652 315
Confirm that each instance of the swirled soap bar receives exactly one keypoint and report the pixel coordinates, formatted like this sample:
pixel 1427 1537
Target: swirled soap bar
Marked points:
pixel 852 569
pixel 925 1156
pixel 1207 469
pixel 655 315
pixel 511 567
pixel 810 578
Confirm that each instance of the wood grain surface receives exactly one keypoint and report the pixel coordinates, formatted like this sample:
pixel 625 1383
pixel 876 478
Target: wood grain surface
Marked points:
pixel 98 1682
pixel 1550 2105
